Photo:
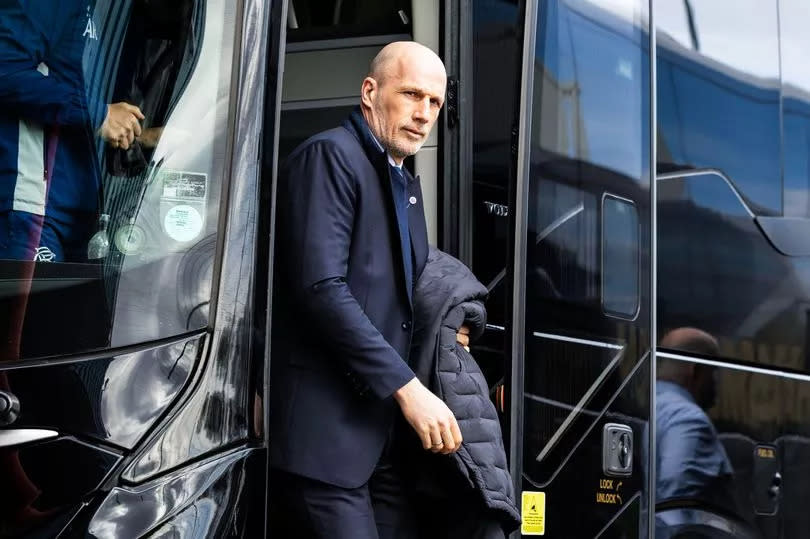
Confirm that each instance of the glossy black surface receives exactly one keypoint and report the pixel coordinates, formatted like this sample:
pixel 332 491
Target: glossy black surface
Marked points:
pixel 580 499
pixel 718 272
pixel 733 252
pixel 114 399
pixel 218 412
pixel 209 499
pixel 160 287
pixel 587 268
pixel 695 522
pixel 565 391
pixel 496 70
pixel 43 484
pixel 719 94
pixel 760 420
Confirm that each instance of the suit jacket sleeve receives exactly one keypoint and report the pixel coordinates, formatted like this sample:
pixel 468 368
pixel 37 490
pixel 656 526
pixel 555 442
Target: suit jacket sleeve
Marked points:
pixel 320 195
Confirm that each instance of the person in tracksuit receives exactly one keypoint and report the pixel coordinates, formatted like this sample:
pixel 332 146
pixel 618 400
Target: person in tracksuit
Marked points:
pixel 57 69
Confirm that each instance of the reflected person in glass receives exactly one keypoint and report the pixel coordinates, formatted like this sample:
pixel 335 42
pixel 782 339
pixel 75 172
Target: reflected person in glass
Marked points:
pixel 56 62
pixel 692 464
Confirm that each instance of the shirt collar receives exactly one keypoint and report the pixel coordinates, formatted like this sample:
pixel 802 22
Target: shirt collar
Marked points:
pixel 380 146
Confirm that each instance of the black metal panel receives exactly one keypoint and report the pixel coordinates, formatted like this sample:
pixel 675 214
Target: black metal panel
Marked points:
pixel 456 132
pixel 209 499
pixel 588 273
pixel 719 273
pixel 115 399
pixel 581 501
pixel 44 484
pixel 736 444
pixel 496 55
pixel 218 412
pixel 562 396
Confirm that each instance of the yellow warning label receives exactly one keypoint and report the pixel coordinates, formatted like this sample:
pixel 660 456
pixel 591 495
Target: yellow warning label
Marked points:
pixel 533 513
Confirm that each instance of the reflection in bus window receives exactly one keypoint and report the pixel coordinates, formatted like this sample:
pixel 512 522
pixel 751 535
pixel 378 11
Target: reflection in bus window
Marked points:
pixel 590 90
pixel 111 155
pixel 794 43
pixel 718 93
pixel 590 117
pixel 620 257
pixel 56 68
pixel 692 466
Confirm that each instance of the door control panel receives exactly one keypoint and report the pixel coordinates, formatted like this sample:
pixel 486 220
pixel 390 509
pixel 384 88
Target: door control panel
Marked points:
pixel 617 450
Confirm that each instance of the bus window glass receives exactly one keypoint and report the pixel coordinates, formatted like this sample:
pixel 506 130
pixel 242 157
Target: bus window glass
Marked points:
pixel 718 93
pixel 794 43
pixel 113 131
pixel 620 257
pixel 495 70
pixel 310 20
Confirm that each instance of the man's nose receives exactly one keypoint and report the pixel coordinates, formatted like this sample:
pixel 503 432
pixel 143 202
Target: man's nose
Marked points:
pixel 422 112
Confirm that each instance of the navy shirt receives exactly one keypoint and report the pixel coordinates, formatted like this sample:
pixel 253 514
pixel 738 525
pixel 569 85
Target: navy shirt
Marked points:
pixel 399 187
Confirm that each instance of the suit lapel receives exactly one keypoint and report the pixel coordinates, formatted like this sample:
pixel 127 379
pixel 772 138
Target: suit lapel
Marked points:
pixel 379 160
pixel 417 226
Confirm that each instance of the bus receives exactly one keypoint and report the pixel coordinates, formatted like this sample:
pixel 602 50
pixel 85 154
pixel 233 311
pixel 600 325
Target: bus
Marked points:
pixel 629 179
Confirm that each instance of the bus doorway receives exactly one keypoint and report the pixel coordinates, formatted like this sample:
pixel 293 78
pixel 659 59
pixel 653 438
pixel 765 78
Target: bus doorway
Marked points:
pixel 551 207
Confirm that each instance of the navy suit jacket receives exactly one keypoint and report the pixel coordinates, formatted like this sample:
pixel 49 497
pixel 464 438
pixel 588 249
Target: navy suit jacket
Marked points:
pixel 343 326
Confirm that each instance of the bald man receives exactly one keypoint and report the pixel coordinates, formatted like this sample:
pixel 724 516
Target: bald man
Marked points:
pixel 351 242
pixel 691 462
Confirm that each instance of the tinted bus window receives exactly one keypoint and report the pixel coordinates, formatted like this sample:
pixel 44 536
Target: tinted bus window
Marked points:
pixel 718 93
pixel 113 129
pixel 333 19
pixel 620 257
pixel 794 44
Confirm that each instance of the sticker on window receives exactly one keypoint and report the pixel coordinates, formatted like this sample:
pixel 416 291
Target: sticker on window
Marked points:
pixel 533 513
pixel 188 186
pixel 183 223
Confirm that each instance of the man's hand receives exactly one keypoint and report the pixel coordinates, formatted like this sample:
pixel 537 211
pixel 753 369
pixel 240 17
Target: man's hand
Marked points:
pixel 463 337
pixel 432 420
pixel 121 125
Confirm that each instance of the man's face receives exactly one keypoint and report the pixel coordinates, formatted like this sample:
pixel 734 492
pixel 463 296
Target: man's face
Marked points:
pixel 404 105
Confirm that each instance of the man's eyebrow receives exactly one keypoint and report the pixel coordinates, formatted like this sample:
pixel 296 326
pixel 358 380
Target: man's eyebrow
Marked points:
pixel 420 91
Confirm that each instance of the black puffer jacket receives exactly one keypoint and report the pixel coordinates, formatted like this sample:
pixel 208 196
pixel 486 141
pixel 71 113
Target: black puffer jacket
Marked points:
pixel 446 297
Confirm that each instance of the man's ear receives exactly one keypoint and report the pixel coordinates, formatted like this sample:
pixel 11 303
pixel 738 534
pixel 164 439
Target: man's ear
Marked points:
pixel 368 91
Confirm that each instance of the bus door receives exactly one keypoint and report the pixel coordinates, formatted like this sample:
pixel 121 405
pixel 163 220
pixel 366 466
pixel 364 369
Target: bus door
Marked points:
pixel 579 334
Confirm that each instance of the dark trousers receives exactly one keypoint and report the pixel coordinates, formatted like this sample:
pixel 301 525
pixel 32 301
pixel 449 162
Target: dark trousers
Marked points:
pixel 303 507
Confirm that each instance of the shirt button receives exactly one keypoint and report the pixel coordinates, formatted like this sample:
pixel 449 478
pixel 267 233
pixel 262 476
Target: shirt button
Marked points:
pixel 406 325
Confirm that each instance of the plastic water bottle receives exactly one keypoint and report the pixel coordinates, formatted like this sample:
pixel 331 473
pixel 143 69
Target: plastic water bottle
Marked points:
pixel 99 245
